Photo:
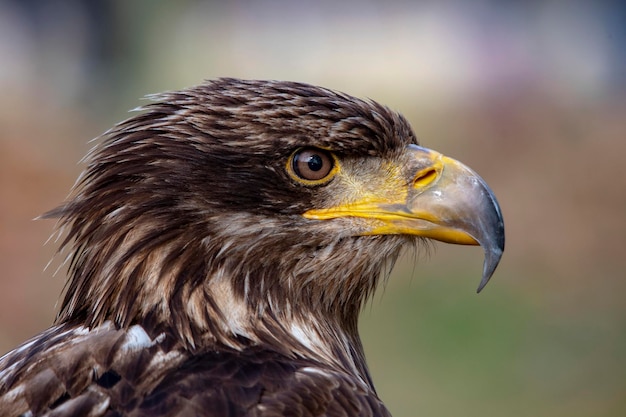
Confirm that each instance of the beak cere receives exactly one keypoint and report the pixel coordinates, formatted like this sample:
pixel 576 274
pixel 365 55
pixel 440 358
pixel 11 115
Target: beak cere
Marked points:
pixel 445 200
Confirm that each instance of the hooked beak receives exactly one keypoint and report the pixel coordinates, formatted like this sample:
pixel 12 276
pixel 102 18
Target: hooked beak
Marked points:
pixel 443 200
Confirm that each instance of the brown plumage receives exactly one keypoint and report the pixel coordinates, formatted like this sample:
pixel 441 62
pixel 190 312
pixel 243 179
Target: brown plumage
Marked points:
pixel 222 243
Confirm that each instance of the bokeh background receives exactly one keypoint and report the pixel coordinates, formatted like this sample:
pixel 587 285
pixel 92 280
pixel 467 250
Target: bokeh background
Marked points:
pixel 532 95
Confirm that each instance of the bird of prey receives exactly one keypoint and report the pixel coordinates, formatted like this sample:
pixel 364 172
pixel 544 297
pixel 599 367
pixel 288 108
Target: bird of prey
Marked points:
pixel 221 244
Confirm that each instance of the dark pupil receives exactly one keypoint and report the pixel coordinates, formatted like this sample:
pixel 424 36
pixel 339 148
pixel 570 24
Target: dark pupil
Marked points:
pixel 315 163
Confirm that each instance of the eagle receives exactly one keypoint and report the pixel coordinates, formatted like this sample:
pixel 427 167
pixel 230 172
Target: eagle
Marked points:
pixel 220 245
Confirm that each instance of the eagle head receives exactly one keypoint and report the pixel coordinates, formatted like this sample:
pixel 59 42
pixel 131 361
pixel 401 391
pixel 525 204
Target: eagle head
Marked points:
pixel 239 213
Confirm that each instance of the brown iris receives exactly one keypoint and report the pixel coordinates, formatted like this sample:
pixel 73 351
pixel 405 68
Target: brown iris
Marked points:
pixel 312 165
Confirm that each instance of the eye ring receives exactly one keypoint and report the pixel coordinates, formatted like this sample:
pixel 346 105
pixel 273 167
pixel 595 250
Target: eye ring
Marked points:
pixel 312 166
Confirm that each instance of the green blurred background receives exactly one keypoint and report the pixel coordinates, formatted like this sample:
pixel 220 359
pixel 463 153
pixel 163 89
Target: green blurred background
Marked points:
pixel 532 95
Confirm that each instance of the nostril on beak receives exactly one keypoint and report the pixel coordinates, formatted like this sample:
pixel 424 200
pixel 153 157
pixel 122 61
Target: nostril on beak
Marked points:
pixel 424 177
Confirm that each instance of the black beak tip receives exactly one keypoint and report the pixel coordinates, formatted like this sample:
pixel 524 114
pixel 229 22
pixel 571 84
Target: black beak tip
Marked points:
pixel 492 259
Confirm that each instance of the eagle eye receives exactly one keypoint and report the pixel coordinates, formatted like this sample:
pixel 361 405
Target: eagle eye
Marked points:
pixel 312 165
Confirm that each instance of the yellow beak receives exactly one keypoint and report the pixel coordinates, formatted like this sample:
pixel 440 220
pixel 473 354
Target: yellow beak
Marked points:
pixel 443 200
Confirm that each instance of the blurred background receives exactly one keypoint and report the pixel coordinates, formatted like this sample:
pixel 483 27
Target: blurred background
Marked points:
pixel 532 95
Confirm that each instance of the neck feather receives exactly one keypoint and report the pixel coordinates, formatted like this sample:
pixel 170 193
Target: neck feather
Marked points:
pixel 210 292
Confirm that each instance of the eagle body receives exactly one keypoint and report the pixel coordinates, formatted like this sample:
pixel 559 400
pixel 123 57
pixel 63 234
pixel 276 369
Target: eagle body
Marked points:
pixel 221 244
pixel 74 370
